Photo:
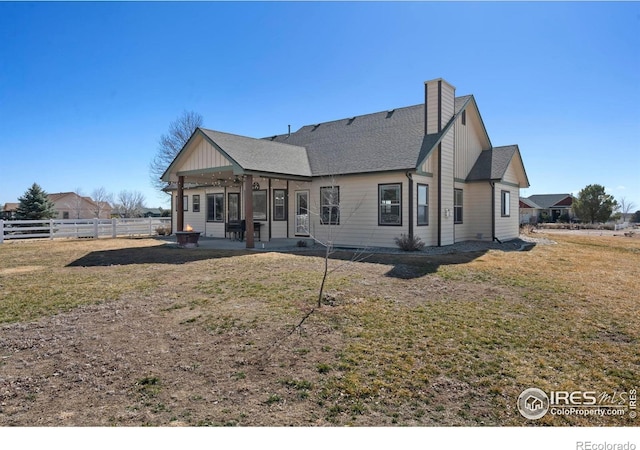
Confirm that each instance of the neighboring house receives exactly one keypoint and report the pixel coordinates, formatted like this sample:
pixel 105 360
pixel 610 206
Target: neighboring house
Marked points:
pixel 554 205
pixel 70 205
pixel 151 212
pixel 9 211
pixel 529 211
pixel 428 170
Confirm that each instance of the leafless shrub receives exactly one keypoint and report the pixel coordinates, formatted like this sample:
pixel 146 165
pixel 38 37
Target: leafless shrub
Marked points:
pixel 409 243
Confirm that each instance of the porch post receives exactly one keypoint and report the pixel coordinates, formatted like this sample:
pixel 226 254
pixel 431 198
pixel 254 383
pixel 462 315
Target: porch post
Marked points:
pixel 248 210
pixel 180 204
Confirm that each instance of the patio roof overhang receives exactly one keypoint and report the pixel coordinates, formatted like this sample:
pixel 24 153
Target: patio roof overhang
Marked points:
pixel 211 158
pixel 209 176
pixel 209 155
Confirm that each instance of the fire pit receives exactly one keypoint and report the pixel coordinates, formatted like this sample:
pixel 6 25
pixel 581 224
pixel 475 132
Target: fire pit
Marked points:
pixel 188 238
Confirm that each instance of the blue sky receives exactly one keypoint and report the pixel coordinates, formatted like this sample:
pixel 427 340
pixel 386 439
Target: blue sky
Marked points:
pixel 87 89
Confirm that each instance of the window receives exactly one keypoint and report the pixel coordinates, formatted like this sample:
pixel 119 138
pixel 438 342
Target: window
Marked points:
pixel 259 205
pixel 233 206
pixel 457 206
pixel 463 119
pixel 185 203
pixel 505 207
pixel 330 205
pixel 423 204
pixel 65 214
pixel 389 204
pixel 279 204
pixel 302 213
pixel 215 207
pixel 196 203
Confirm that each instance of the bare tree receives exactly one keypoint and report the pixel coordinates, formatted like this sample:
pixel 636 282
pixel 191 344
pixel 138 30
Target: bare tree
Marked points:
pixel 625 206
pixel 332 218
pixel 130 204
pixel 102 200
pixel 333 221
pixel 180 130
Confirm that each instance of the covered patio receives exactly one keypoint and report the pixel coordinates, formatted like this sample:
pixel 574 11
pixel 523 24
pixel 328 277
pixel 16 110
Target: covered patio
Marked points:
pixel 245 183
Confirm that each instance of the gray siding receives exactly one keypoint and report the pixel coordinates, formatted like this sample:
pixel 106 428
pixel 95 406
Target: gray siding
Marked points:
pixel 508 227
pixel 447 233
pixel 476 212
pixel 469 143
pixel 358 210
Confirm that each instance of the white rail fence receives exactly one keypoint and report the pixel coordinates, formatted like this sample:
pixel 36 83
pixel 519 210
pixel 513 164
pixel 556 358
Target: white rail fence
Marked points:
pixel 81 228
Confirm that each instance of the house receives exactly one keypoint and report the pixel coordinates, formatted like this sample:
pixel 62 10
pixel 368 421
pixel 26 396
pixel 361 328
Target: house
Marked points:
pixel 553 206
pixel 70 205
pixel 151 212
pixel 427 171
pixel 9 211
pixel 529 211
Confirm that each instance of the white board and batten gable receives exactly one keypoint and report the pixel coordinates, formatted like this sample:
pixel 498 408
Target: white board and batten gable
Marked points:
pixel 199 155
pixel 203 155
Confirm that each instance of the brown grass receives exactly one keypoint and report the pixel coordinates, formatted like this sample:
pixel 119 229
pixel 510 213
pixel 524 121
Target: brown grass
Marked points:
pixel 131 332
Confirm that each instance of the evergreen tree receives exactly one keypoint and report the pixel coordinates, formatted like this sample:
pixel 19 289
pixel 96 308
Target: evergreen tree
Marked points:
pixel 35 205
pixel 593 204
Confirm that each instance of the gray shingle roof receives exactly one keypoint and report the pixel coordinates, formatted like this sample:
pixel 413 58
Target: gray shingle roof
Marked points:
pixel 492 163
pixel 529 203
pixel 387 140
pixel 262 155
pixel 547 200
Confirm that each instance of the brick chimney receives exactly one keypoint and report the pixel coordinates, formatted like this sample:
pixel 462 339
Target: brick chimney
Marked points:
pixel 438 104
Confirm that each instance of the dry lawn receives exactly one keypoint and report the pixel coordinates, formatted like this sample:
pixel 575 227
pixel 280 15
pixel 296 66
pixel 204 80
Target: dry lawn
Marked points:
pixel 131 332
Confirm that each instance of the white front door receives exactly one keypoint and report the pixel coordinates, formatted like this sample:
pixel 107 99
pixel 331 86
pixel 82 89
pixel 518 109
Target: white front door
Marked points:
pixel 302 213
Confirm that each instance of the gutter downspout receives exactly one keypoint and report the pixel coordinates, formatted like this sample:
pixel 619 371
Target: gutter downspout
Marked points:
pixel 410 177
pixel 180 204
pixel 269 206
pixel 439 195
